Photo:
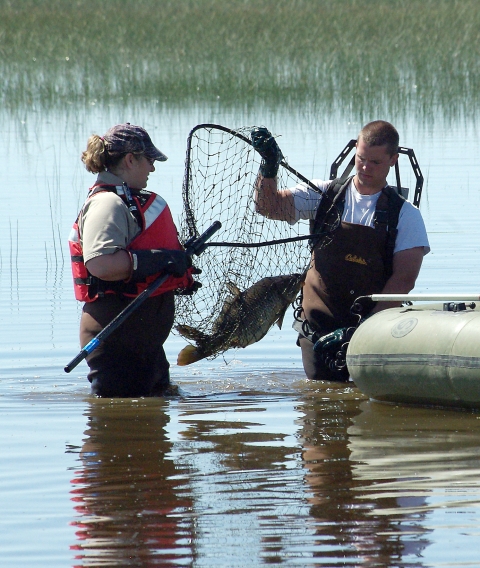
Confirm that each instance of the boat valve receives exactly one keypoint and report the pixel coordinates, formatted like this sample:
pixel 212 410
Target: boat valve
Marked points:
pixel 458 306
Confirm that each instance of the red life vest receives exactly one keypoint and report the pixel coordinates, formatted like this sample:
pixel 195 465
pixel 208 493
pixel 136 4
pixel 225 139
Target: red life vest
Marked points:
pixel 158 232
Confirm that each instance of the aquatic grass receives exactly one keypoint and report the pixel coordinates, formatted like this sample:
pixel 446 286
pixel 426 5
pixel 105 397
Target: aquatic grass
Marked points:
pixel 357 56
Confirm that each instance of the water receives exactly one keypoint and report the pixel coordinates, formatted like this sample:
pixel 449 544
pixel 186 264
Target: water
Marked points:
pixel 249 464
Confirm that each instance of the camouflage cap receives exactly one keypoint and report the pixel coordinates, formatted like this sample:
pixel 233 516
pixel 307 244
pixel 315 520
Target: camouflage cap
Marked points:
pixel 125 138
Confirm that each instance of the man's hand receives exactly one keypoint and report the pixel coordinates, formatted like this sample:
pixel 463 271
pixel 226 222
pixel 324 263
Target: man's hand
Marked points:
pixel 265 144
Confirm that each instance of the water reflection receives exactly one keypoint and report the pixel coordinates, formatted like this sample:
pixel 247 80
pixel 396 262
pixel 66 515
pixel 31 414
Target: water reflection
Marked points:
pixel 318 476
pixel 349 523
pixel 248 491
pixel 129 497
pixel 426 453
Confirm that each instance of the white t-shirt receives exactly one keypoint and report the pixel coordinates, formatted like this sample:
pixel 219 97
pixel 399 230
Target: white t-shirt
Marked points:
pixel 360 210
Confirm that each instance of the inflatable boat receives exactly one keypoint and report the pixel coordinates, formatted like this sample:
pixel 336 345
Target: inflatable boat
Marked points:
pixel 424 354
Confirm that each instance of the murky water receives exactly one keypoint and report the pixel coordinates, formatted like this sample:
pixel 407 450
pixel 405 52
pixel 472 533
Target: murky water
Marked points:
pixel 249 464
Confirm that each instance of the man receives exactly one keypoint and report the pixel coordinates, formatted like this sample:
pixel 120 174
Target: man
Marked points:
pixel 373 240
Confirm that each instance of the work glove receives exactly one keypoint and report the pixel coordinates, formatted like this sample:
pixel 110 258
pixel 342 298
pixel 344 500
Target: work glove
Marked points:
pixel 332 342
pixel 189 291
pixel 265 144
pixel 148 262
pixel 193 288
pixel 332 348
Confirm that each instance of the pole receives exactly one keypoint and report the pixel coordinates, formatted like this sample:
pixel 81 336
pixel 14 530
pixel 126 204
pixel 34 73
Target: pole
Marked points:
pixel 196 247
pixel 441 297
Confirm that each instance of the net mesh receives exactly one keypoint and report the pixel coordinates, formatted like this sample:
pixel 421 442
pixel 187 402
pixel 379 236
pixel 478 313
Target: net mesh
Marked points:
pixel 219 185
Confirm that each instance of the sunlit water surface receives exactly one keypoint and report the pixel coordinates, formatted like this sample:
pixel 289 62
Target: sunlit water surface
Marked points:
pixel 249 464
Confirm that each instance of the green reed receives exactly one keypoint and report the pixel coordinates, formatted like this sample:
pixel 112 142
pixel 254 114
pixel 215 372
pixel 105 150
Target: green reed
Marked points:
pixel 371 55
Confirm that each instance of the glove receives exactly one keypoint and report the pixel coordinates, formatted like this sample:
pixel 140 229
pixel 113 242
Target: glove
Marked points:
pixel 189 291
pixel 148 262
pixel 265 144
pixel 193 288
pixel 332 349
pixel 332 342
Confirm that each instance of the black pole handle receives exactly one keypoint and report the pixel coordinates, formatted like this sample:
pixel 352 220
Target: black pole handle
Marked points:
pixel 197 246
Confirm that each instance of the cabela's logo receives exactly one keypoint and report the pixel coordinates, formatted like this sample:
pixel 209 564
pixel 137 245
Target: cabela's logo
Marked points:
pixel 355 258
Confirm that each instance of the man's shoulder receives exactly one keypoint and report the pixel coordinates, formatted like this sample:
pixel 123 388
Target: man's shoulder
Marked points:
pixel 409 207
pixel 410 217
pixel 303 187
pixel 343 185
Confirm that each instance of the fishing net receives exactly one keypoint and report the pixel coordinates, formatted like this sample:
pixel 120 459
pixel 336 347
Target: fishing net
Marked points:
pixel 219 185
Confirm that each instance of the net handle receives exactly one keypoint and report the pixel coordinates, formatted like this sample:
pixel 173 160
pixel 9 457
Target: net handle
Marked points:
pixel 245 139
pixel 189 214
pixel 190 218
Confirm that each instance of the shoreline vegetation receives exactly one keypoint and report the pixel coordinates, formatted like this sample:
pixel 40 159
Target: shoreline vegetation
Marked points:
pixel 354 56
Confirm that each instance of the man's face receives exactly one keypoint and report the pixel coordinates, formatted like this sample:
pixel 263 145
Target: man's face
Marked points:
pixel 372 164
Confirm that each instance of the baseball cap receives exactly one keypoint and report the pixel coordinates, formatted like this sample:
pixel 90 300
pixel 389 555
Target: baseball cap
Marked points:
pixel 125 138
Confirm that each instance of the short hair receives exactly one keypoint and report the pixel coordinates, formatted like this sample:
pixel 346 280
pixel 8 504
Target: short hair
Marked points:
pixel 380 133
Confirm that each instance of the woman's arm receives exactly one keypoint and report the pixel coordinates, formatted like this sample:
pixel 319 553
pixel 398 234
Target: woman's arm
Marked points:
pixel 106 230
pixel 111 267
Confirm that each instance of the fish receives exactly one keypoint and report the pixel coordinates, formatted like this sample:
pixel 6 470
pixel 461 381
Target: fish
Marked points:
pixel 245 317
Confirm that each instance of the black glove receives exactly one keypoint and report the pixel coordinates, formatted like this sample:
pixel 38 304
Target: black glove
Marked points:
pixel 189 291
pixel 265 144
pixel 194 287
pixel 148 262
pixel 332 349
pixel 332 342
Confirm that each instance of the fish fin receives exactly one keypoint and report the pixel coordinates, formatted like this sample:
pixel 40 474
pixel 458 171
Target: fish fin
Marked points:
pixel 190 333
pixel 233 289
pixel 189 355
pixel 281 316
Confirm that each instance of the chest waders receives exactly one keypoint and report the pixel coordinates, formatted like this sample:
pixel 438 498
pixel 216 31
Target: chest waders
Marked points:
pixel 348 260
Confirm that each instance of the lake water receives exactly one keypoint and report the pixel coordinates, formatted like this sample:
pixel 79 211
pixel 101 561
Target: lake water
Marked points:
pixel 250 464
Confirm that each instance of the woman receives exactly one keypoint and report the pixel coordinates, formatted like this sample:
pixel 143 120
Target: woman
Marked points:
pixel 123 239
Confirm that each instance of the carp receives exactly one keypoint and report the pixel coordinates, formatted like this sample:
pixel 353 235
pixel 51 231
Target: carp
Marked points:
pixel 244 319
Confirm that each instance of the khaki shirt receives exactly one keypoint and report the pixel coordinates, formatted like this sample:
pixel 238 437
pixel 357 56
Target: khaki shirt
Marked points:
pixel 105 223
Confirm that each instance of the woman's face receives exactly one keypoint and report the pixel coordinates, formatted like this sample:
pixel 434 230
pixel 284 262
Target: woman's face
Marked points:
pixel 135 170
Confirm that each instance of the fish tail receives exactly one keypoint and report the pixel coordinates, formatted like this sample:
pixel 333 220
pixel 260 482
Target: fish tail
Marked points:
pixel 189 355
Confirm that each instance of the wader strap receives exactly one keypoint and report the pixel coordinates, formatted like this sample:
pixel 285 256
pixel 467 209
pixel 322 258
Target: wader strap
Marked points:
pixel 331 204
pixel 301 325
pixel 305 330
pixel 117 287
pixel 387 213
pixel 386 216
pixel 99 288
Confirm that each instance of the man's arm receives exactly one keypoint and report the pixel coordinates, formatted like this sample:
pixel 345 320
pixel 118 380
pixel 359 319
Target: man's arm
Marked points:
pixel 406 267
pixel 271 203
